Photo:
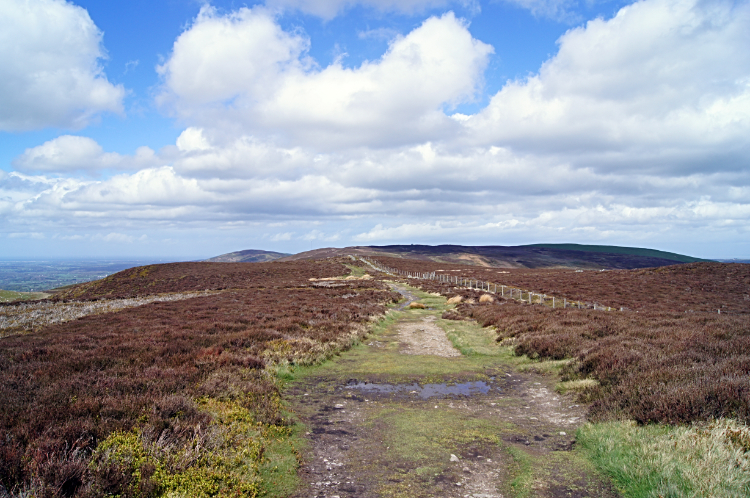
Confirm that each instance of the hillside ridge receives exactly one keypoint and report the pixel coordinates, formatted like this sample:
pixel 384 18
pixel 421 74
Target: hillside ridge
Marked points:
pixel 526 256
pixel 247 256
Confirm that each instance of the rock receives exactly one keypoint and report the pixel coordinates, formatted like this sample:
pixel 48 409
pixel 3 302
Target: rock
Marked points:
pixel 454 458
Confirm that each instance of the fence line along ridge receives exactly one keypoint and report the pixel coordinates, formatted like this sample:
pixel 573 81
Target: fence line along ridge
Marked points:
pixel 522 295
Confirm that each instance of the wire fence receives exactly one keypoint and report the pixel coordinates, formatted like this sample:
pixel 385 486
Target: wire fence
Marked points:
pixel 505 291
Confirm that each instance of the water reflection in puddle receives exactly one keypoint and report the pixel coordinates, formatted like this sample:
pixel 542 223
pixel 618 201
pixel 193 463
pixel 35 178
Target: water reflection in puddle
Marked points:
pixel 426 391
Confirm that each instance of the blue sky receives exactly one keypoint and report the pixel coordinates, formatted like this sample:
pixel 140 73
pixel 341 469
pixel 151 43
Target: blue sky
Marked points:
pixel 184 129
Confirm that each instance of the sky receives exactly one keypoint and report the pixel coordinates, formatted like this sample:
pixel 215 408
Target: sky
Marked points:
pixel 185 129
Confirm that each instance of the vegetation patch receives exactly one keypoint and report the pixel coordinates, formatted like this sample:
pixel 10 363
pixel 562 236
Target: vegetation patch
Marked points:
pixel 12 296
pixel 175 389
pixel 704 459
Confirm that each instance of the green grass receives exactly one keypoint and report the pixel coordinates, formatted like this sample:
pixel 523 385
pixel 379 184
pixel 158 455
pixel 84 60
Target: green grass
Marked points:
pixel 703 460
pixel 10 296
pixel 523 471
pixel 427 436
pixel 356 271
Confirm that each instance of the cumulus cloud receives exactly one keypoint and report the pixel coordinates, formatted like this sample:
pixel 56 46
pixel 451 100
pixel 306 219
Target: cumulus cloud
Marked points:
pixel 635 130
pixel 663 84
pixel 242 70
pixel 49 67
pixel 69 153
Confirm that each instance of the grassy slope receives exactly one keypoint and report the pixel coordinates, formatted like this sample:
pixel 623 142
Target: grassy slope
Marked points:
pixel 635 251
pixel 247 256
pixel 10 296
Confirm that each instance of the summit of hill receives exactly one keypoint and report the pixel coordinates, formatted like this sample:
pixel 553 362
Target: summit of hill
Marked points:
pixel 247 256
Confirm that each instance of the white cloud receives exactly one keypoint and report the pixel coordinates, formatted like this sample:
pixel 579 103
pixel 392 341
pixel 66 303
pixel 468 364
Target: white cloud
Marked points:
pixel 242 70
pixel 191 140
pixel 26 235
pixel 119 238
pixel 322 236
pixel 635 131
pixel 664 84
pixel 69 153
pixel 49 69
pixel 282 236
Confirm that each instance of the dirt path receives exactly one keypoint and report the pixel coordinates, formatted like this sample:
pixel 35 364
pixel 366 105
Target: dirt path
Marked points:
pixel 434 408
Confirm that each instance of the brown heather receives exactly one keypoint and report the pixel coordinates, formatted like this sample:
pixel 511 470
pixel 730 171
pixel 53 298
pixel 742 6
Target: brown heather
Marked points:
pixel 684 287
pixel 66 388
pixel 656 361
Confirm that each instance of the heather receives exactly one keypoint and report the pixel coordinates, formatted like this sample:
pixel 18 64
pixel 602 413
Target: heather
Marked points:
pixel 159 398
pixel 650 366
pixel 185 277
pixel 690 287
pixel 657 363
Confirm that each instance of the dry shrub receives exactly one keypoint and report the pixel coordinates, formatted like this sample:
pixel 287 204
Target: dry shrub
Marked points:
pixel 417 306
pixel 454 300
pixel 688 287
pixel 486 298
pixel 652 367
pixel 68 387
pixel 674 361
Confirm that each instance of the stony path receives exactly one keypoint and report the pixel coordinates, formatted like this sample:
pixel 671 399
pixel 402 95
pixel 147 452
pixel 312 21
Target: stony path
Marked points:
pixel 26 317
pixel 406 414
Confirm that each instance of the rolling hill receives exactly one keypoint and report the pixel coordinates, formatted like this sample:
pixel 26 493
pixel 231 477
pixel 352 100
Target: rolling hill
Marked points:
pixel 527 256
pixel 247 256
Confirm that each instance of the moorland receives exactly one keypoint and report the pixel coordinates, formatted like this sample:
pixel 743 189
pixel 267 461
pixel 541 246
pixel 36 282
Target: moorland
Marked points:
pixel 231 386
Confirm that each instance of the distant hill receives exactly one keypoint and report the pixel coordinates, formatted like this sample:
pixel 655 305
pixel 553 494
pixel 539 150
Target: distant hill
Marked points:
pixel 247 256
pixel 527 256
pixel 634 251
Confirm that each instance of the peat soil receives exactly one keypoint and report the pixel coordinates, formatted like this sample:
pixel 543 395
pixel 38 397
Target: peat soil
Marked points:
pixel 427 407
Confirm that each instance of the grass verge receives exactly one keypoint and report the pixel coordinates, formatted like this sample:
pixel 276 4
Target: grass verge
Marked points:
pixel 702 460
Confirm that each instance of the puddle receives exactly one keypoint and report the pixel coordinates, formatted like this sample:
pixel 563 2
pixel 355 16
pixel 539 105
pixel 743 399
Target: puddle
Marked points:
pixel 426 391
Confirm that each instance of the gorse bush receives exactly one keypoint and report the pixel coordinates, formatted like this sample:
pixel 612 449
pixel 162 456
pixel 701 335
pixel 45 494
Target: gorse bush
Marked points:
pixel 111 404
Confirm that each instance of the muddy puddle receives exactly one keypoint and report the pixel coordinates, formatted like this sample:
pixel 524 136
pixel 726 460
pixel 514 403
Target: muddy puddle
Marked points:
pixel 424 392
pixel 392 418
